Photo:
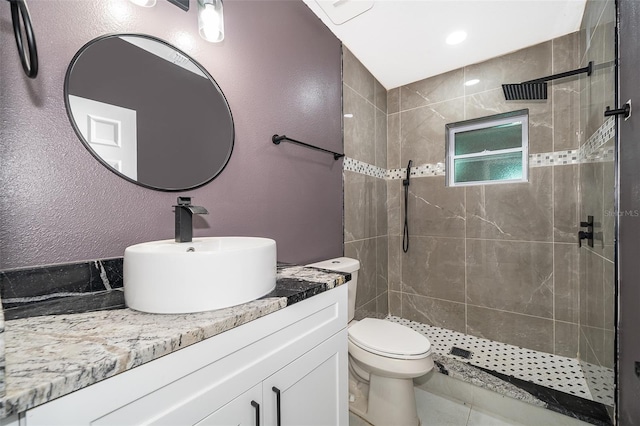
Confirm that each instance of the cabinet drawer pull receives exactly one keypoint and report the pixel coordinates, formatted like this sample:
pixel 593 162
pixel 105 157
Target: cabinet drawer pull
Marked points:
pixel 257 407
pixel 277 391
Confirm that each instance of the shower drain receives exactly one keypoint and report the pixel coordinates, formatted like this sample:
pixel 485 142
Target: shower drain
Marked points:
pixel 463 353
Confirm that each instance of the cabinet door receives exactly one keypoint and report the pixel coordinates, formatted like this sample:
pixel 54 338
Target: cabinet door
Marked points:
pixel 245 410
pixel 312 390
pixel 187 386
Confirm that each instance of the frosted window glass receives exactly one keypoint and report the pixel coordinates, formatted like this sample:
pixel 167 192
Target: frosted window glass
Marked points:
pixel 491 138
pixel 485 150
pixel 487 168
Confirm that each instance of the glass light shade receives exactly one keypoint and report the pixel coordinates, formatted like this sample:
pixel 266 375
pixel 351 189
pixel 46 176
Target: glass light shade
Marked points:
pixel 144 3
pixel 211 20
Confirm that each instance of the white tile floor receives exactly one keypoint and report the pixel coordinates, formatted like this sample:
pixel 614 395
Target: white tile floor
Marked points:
pixel 437 410
pixel 553 371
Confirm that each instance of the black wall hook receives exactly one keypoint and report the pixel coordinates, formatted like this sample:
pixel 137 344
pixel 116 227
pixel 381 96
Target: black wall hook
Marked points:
pixel 29 63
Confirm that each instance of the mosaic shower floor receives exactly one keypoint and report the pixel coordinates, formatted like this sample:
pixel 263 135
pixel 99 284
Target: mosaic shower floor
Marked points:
pixel 552 371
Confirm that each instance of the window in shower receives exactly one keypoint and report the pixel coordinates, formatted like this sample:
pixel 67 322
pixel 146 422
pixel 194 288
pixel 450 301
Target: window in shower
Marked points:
pixel 488 150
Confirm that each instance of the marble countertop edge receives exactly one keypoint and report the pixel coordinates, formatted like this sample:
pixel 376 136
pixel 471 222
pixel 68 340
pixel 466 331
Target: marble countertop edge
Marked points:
pixel 49 356
pixel 22 394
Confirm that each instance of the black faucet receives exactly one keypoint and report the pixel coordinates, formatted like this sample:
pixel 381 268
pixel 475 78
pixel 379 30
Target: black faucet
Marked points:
pixel 184 219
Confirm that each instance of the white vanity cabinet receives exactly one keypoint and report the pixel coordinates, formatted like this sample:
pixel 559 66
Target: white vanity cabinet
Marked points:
pixel 306 392
pixel 245 410
pixel 231 378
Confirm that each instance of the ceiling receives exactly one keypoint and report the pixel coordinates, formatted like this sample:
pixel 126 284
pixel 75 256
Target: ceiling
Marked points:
pixel 402 41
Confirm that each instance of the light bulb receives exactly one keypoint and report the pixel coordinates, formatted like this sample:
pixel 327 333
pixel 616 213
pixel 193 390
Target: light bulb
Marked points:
pixel 211 20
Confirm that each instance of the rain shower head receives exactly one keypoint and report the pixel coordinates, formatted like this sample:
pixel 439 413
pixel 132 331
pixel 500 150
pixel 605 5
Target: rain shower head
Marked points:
pixel 525 91
pixel 537 89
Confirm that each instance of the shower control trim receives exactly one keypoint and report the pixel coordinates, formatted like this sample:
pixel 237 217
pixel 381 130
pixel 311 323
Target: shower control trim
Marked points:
pixel 588 234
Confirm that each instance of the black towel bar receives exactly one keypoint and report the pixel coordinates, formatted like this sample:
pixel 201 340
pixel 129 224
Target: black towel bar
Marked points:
pixel 276 139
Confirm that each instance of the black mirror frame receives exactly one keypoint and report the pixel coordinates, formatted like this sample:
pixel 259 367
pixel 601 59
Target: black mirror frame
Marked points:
pixel 96 156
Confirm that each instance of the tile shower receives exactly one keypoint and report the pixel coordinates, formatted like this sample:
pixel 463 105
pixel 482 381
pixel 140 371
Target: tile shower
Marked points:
pixel 498 262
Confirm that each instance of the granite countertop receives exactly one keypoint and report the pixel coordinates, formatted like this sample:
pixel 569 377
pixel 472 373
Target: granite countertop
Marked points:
pixel 52 355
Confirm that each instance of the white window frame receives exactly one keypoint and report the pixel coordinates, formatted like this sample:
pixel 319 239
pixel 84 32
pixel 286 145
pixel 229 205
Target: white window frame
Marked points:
pixel 520 117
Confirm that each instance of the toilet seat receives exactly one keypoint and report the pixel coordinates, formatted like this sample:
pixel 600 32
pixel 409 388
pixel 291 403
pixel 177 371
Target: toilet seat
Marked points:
pixel 389 339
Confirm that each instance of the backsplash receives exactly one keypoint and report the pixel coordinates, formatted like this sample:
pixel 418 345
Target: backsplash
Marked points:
pixel 45 289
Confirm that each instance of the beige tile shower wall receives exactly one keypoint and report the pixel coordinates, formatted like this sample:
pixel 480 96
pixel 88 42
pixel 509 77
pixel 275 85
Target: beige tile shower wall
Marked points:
pixel 494 261
pixel 596 309
pixel 365 197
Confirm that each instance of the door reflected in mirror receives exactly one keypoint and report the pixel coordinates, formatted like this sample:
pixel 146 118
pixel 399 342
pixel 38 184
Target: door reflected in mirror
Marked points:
pixel 148 112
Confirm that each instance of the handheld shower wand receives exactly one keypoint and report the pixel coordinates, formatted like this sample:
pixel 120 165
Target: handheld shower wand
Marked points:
pixel 405 234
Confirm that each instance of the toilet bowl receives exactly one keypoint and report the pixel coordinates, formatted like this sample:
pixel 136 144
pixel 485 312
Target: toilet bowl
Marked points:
pixel 384 358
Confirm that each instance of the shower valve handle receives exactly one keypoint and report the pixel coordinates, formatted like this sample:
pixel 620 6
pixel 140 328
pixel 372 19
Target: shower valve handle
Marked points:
pixel 582 235
pixel 588 223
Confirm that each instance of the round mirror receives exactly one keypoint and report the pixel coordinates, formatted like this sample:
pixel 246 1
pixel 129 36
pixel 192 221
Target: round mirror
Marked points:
pixel 149 112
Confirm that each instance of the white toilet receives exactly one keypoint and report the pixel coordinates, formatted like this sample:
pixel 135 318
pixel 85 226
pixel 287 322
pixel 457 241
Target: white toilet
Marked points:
pixel 384 358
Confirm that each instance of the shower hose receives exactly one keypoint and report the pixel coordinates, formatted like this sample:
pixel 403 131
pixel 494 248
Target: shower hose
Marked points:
pixel 405 232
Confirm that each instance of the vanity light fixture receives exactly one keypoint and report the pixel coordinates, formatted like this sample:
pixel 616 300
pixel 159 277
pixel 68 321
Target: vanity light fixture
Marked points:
pixel 144 3
pixel 211 20
pixel 456 37
pixel 182 4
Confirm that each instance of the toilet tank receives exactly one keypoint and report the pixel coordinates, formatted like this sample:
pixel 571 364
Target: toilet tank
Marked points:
pixel 344 264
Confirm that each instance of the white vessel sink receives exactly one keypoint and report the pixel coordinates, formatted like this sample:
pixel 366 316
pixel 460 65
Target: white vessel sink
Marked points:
pixel 166 277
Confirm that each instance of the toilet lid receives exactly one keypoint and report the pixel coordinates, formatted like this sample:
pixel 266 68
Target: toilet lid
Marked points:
pixel 389 339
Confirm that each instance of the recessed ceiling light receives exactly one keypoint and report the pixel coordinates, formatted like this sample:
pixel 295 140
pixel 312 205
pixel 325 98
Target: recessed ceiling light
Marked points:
pixel 456 37
pixel 348 115
pixel 471 82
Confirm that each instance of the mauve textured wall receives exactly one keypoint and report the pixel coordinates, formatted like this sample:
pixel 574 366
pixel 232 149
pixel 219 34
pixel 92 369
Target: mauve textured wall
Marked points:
pixel 280 69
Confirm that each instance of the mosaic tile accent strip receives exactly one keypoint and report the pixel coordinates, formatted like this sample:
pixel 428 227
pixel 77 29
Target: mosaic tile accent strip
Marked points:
pixel 545 159
pixel 393 174
pixel 600 155
pixel 419 171
pixel 558 158
pixel 353 165
pixel 592 151
pixel 600 137
pixel 556 372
